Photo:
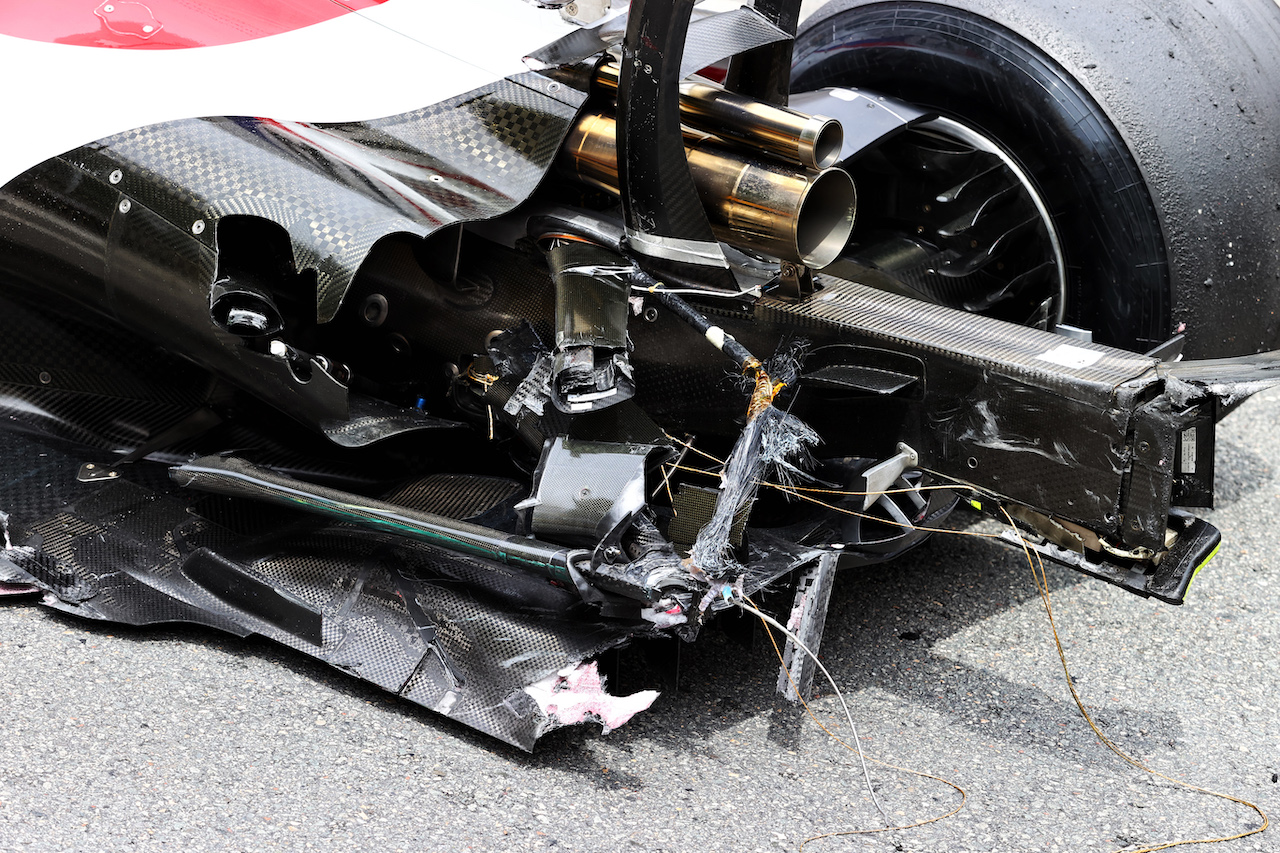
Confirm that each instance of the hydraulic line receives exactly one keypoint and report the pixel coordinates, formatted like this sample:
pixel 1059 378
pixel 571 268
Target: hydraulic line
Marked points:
pixel 229 475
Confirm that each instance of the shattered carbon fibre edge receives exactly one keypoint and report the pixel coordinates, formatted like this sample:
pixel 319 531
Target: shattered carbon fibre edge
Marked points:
pixel 491 647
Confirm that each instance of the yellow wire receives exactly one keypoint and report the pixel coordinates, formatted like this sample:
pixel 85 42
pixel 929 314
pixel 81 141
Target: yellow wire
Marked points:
pixel 814 490
pixel 688 445
pixel 484 379
pixel 1042 586
pixel 890 521
pixel 907 526
pixel 810 489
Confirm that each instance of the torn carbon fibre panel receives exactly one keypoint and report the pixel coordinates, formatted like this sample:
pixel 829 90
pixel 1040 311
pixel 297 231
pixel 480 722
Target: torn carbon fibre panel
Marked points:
pixel 463 636
pixel 1014 411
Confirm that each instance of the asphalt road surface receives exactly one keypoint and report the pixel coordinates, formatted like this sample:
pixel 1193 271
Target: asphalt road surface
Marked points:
pixel 118 739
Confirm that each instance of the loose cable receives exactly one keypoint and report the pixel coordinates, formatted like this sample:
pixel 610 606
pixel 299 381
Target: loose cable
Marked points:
pixel 1036 564
pixel 769 620
pixel 1042 587
pixel 906 526
pixel 749 606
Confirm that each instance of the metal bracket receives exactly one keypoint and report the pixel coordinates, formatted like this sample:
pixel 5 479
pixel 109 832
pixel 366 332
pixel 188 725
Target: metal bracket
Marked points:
pixel 879 478
pixel 795 282
pixel 197 423
pixel 93 473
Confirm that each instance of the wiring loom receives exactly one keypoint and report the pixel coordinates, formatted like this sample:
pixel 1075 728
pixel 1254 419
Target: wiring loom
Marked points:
pixel 1042 588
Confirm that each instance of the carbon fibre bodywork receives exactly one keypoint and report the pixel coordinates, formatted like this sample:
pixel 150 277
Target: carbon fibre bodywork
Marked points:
pixel 399 394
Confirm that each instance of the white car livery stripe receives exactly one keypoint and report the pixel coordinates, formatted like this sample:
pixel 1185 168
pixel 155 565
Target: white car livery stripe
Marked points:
pixel 396 57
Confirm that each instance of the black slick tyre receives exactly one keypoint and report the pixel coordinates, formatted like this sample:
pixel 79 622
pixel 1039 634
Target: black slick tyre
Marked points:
pixel 1150 130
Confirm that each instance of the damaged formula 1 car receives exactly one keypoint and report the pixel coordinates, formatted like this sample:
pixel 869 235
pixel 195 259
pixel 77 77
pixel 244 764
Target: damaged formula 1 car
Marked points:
pixel 502 334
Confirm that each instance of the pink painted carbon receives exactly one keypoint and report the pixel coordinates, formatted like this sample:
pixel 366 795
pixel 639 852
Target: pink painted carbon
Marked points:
pixel 165 24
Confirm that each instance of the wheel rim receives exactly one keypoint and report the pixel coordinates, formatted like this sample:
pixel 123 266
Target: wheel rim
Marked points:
pixel 952 218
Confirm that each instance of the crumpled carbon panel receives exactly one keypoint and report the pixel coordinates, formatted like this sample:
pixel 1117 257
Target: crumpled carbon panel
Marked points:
pixel 338 188
pixel 1040 418
pixel 459 635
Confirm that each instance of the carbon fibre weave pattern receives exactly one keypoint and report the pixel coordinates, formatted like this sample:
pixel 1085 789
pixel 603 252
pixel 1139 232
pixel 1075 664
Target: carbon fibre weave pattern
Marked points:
pixel 458 635
pixel 64 375
pixel 459 496
pixel 971 338
pixel 1029 414
pixel 338 188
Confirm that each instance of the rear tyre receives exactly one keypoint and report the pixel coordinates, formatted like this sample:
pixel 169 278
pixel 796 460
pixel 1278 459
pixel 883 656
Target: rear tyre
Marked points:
pixel 1152 140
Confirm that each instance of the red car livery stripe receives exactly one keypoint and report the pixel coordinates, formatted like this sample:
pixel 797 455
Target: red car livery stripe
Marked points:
pixel 165 24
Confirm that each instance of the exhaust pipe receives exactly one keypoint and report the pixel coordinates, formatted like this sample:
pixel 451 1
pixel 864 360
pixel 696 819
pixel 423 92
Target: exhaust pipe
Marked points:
pixel 812 141
pixel 786 212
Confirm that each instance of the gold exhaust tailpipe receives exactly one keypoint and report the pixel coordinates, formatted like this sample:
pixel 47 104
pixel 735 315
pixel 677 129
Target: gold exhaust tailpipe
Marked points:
pixel 809 140
pixel 786 212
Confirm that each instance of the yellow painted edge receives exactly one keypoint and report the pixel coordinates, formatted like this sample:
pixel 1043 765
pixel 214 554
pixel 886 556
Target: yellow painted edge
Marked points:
pixel 1203 563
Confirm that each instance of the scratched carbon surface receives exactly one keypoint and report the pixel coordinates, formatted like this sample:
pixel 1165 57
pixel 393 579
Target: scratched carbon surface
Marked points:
pixel 459 635
pixel 971 338
pixel 1040 419
pixel 338 188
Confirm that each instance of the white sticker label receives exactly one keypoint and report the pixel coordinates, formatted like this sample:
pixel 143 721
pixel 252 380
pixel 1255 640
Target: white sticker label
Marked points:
pixel 1069 356
pixel 844 94
pixel 1188 451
